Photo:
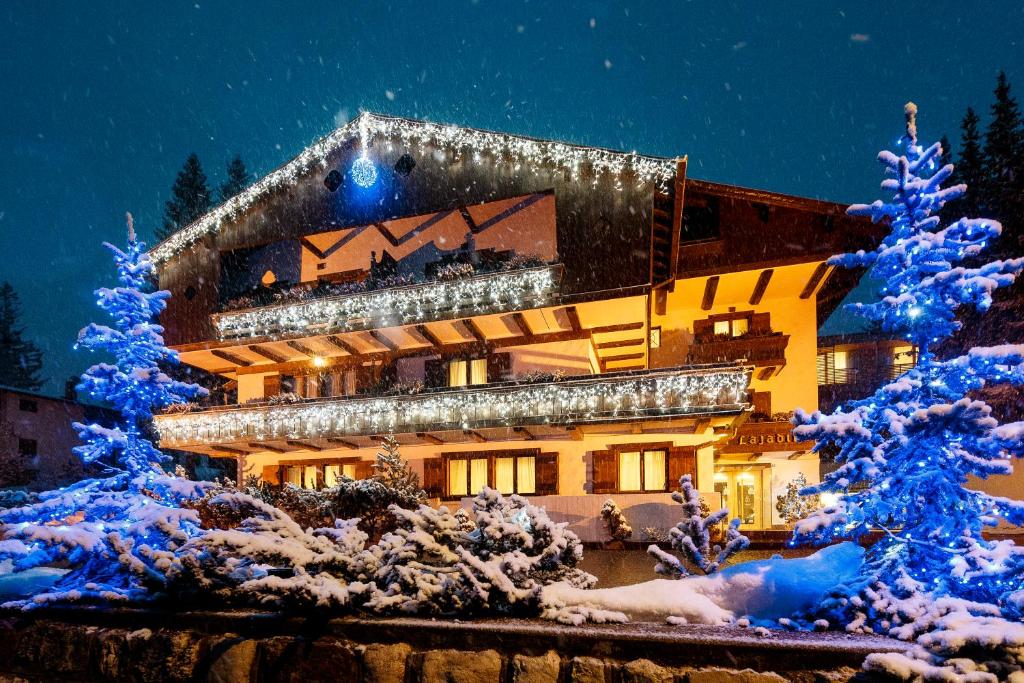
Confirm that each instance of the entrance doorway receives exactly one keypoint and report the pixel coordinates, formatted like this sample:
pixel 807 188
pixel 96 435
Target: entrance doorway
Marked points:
pixel 742 491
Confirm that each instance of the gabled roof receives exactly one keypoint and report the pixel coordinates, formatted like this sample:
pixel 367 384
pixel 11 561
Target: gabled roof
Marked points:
pixel 367 126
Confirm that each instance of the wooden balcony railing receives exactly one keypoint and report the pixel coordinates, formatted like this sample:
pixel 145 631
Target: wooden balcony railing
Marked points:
pixel 758 350
pixel 484 294
pixel 614 397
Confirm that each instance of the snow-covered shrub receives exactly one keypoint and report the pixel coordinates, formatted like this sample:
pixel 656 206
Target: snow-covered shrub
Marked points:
pixel 615 522
pixel 433 564
pixel 269 559
pixel 792 505
pixel 10 498
pixel 692 536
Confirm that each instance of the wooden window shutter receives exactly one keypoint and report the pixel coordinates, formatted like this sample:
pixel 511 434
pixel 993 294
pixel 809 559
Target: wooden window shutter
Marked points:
pixel 271 474
pixel 364 469
pixel 761 322
pixel 389 374
pixel 604 477
pixel 547 474
pixel 681 460
pixel 762 401
pixel 434 373
pixel 271 385
pixel 433 477
pixel 499 367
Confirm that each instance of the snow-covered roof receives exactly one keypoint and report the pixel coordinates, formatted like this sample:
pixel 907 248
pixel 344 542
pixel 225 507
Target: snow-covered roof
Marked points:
pixel 367 125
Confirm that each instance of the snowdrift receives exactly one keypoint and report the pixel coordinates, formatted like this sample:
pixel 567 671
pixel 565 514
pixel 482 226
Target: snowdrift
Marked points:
pixel 764 590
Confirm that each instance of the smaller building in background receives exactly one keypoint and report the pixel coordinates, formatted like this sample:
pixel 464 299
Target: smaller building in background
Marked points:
pixel 36 438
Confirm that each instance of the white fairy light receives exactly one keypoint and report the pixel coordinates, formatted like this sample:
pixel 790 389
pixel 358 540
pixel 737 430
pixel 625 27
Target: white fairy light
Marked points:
pixel 656 394
pixel 491 293
pixel 417 135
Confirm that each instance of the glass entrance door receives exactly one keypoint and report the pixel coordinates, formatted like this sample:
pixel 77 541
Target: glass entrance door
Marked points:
pixel 741 491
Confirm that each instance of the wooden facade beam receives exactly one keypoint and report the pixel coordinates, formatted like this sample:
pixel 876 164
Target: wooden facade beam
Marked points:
pixel 710 289
pixel 474 330
pixel 519 321
pixel 524 432
pixel 429 336
pixel 339 343
pixel 573 315
pixel 621 327
pixel 302 348
pixel 475 436
pixel 815 280
pixel 269 447
pixel 303 445
pixel 232 358
pixel 269 354
pixel 384 340
pixel 762 284
pixel 619 344
pixel 344 444
pixel 430 438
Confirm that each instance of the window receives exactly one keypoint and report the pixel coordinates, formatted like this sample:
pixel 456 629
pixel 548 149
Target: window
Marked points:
pixel 655 337
pixel 505 471
pixel 833 368
pixel 643 470
pixel 334 473
pixel 465 372
pixel 28 447
pixel 27 405
pixel 903 355
pixel 735 327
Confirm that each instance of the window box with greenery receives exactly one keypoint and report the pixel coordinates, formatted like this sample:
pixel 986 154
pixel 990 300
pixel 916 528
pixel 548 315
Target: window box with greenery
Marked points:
pixel 735 335
pixel 642 468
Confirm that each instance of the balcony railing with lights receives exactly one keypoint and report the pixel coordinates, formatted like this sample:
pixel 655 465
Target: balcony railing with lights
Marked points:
pixel 484 294
pixel 615 397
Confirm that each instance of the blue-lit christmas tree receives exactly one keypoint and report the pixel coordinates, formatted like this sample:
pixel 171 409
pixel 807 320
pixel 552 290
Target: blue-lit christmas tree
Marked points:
pixel 905 453
pixel 117 532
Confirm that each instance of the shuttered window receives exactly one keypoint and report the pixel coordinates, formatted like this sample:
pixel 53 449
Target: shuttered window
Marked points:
pixel 522 471
pixel 641 468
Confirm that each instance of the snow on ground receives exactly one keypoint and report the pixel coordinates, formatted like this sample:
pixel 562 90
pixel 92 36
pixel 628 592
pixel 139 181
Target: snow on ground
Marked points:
pixel 764 590
pixel 27 582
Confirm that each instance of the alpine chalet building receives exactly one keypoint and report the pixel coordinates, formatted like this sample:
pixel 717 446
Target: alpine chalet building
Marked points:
pixel 563 322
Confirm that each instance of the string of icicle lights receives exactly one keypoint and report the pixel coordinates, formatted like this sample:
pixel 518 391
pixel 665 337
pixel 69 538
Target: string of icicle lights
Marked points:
pixel 524 151
pixel 492 293
pixel 712 390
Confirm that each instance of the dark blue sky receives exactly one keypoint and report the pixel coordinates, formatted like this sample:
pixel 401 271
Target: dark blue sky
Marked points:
pixel 100 105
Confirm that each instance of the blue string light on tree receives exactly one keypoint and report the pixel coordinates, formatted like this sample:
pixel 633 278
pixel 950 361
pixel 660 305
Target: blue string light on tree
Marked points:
pixel 364 172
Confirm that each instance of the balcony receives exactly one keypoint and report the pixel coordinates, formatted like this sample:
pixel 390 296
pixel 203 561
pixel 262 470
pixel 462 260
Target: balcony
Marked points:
pixel 515 410
pixel 760 350
pixel 485 294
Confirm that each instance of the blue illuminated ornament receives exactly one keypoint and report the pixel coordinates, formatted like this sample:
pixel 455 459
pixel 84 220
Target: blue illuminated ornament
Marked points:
pixel 364 172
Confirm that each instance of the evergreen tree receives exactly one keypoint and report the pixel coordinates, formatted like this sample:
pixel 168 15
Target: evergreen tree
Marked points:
pixel 190 198
pixel 970 168
pixel 20 359
pixel 1004 165
pixel 238 179
pixel 905 454
pixel 116 534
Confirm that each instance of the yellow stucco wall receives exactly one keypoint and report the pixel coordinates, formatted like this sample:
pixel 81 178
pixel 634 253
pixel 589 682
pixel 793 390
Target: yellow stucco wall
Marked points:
pixel 796 384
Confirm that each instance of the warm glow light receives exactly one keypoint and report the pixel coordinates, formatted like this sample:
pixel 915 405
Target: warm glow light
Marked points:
pixel 319 361
pixel 828 499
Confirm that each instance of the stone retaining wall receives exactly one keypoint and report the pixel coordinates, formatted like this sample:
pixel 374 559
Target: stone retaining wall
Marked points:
pixel 93 645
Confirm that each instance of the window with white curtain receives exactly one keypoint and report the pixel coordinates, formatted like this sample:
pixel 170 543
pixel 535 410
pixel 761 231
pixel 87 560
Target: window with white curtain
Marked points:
pixel 334 473
pixel 457 373
pixel 629 471
pixel 478 371
pixel 506 472
pixel 643 470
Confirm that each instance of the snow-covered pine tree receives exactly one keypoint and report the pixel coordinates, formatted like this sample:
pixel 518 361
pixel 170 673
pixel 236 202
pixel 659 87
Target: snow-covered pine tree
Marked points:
pixel 117 534
pixel 905 453
pixel 615 522
pixel 692 536
pixel 238 179
pixel 190 198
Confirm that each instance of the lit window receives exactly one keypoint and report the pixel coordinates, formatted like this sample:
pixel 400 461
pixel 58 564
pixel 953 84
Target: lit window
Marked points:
pixel 333 474
pixel 477 475
pixel 458 483
pixel 506 473
pixel 654 471
pixel 740 326
pixel 643 470
pixel 722 327
pixel 478 371
pixel 839 360
pixel 293 475
pixel 457 373
pixel 655 337
pixel 309 476
pixel 629 471
pixel 526 474
pixel 903 355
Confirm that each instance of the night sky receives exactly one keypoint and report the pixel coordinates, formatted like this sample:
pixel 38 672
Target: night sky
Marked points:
pixel 101 105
